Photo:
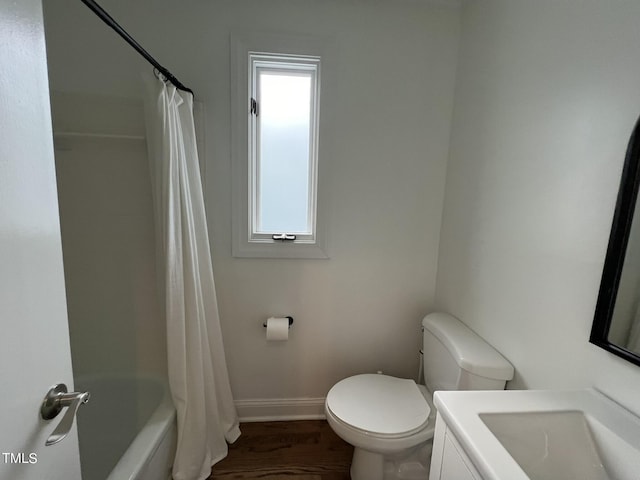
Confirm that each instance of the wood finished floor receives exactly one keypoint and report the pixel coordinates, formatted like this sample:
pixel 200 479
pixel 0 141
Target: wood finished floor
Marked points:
pixel 300 450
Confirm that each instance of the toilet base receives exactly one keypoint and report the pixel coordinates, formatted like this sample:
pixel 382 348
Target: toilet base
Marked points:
pixel 409 465
pixel 367 465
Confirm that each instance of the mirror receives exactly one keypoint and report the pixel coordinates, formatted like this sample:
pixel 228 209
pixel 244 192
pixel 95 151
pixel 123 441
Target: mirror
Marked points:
pixel 616 325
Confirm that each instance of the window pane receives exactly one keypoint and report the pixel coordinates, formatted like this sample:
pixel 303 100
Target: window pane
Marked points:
pixel 284 116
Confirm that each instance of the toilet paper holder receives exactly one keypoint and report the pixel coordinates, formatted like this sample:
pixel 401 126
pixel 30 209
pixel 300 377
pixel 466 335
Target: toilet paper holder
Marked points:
pixel 287 317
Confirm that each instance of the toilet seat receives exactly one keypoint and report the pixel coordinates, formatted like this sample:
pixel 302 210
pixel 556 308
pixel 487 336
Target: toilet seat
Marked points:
pixel 379 405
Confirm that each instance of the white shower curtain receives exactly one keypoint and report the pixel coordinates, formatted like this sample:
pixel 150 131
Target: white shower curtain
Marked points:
pixel 198 376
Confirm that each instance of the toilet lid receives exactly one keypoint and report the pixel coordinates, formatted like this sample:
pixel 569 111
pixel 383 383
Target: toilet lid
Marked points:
pixel 379 404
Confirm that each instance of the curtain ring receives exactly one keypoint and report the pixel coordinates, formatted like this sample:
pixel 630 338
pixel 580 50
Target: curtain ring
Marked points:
pixel 159 75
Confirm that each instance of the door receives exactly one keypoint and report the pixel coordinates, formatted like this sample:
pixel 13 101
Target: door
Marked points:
pixel 34 335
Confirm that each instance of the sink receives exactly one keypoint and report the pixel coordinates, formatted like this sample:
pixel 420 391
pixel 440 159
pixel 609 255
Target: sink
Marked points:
pixel 543 434
pixel 549 445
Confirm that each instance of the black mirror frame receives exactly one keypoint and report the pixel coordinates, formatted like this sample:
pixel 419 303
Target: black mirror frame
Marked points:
pixel 614 260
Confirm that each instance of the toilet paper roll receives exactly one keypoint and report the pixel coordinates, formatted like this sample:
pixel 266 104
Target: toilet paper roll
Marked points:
pixel 277 328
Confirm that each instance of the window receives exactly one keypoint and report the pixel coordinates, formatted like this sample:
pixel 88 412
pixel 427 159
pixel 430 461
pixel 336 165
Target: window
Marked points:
pixel 276 157
pixel 283 155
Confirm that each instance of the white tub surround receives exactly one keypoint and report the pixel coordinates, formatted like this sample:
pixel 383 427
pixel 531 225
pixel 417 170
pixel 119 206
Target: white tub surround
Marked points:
pixel 534 434
pixel 130 431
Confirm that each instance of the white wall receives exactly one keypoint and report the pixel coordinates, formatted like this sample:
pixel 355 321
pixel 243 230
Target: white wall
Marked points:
pixel 546 97
pixel 386 134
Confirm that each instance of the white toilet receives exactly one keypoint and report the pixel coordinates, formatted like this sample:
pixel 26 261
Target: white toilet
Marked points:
pixel 390 421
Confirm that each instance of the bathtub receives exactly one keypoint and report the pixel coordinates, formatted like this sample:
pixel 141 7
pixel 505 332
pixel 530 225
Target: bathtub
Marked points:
pixel 127 431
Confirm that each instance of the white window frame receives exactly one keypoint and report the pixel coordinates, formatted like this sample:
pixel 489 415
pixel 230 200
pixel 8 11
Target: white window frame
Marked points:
pixel 293 65
pixel 250 52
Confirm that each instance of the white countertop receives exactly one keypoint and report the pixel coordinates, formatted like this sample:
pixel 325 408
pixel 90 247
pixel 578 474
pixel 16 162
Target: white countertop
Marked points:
pixel 461 411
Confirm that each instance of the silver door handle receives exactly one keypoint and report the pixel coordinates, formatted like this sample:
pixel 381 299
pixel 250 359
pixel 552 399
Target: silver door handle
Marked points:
pixel 54 401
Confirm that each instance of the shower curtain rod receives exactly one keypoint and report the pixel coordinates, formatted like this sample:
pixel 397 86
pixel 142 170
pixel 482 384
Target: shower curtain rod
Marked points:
pixel 106 18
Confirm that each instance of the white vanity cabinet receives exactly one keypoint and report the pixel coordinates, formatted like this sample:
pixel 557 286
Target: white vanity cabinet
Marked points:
pixel 448 460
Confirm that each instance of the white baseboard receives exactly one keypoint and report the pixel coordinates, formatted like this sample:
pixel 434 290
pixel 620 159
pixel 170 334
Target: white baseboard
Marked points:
pixel 279 409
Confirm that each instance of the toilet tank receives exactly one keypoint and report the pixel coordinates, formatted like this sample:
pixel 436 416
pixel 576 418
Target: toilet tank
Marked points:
pixel 456 358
